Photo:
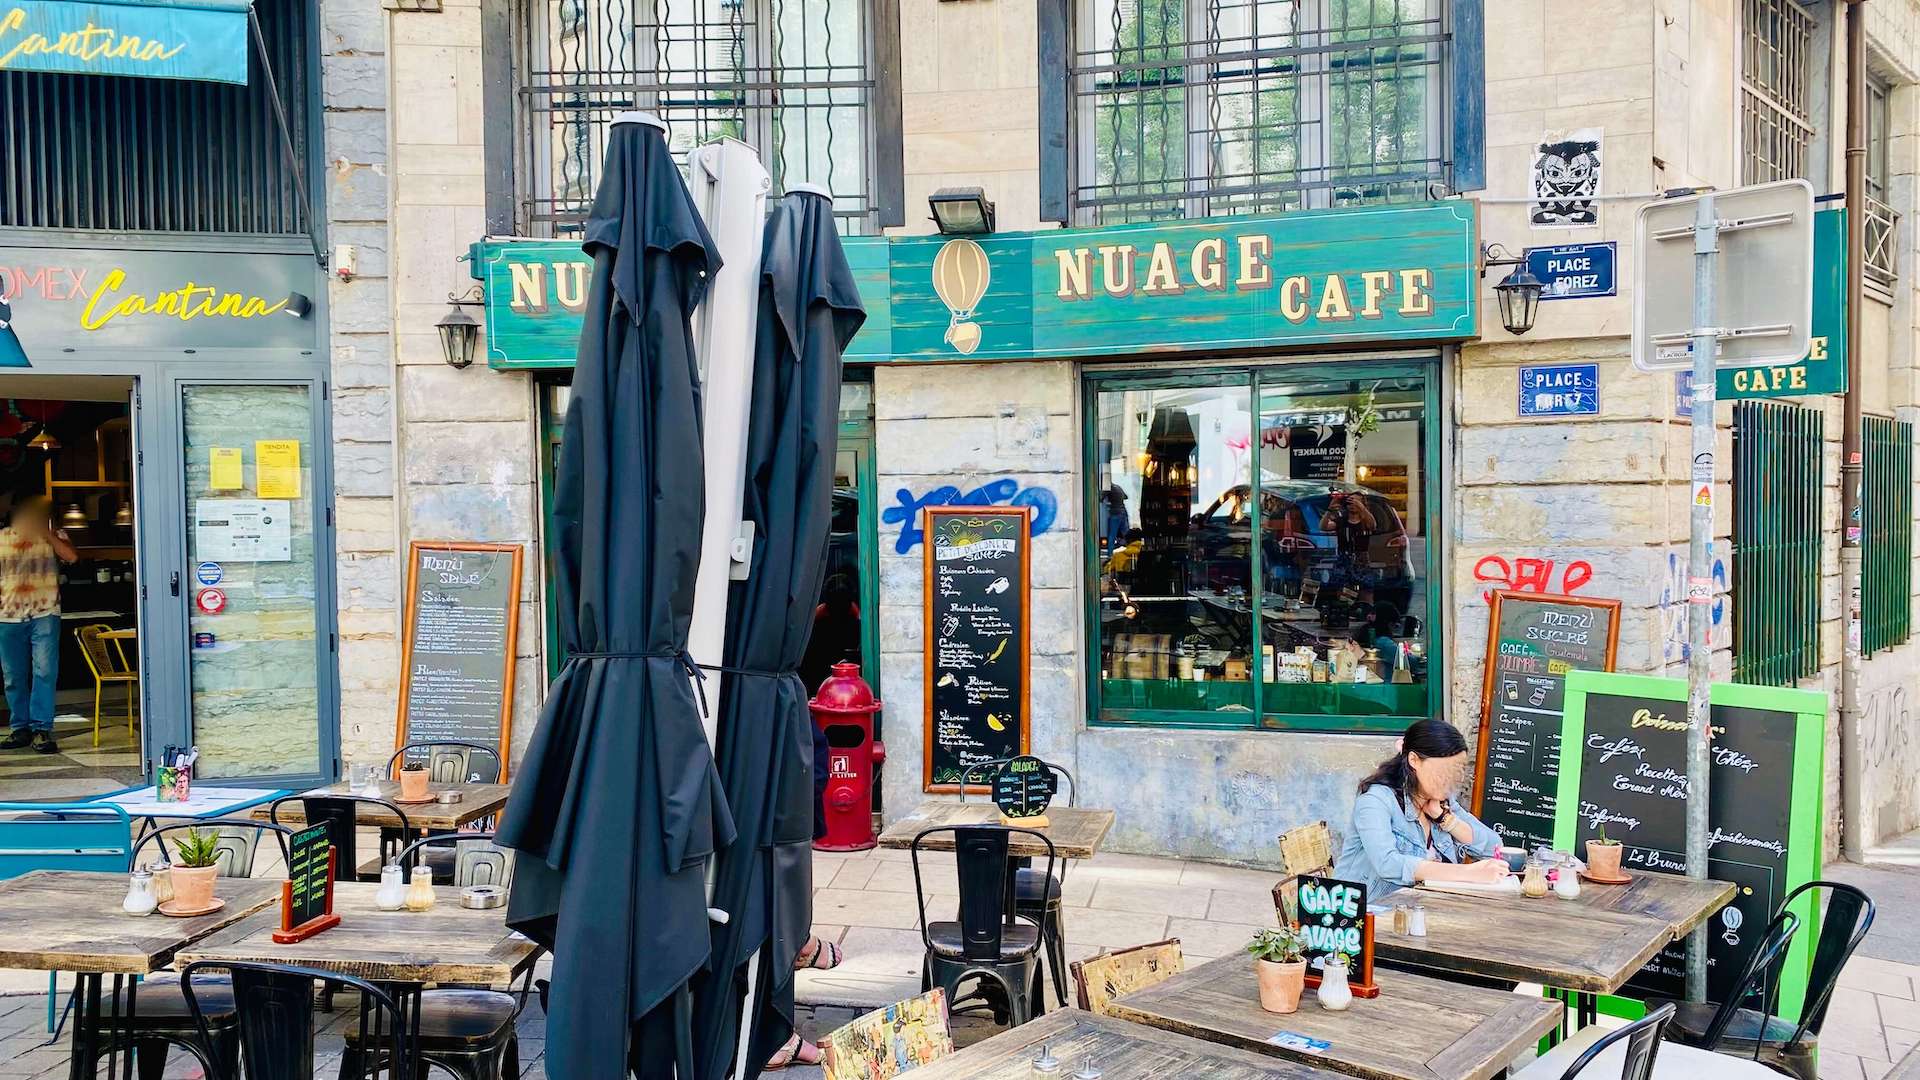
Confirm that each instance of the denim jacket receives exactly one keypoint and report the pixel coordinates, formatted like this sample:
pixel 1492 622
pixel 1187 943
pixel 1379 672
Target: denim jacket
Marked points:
pixel 1385 845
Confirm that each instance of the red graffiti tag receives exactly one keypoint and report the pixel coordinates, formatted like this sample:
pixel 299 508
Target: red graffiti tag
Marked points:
pixel 1526 574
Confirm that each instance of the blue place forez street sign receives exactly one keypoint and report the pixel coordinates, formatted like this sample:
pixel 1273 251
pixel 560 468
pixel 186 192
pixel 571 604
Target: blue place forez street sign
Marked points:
pixel 1574 271
pixel 1560 390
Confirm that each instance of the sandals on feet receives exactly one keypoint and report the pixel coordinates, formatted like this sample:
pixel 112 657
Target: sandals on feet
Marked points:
pixel 795 1051
pixel 817 954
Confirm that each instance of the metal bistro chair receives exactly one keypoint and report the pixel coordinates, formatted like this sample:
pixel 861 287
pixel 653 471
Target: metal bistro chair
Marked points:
pixel 984 942
pixel 63 836
pixel 449 762
pixel 161 1017
pixel 1637 1046
pixel 274 1005
pixel 1033 897
pixel 341 814
pixel 102 663
pixel 467 1031
pixel 1782 1044
pixel 1757 982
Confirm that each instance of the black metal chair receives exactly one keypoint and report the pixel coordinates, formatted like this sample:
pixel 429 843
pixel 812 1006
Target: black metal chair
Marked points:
pixel 988 941
pixel 467 1031
pixel 1785 1045
pixel 341 814
pixel 1034 896
pixel 451 762
pixel 1756 981
pixel 274 1006
pixel 1638 1045
pixel 161 1018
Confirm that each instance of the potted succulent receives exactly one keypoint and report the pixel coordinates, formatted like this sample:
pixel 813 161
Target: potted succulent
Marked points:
pixel 413 782
pixel 1280 966
pixel 1603 857
pixel 196 854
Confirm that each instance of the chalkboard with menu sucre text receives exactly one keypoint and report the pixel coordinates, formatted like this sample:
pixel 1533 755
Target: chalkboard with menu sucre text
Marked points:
pixel 457 652
pixel 1764 806
pixel 976 643
pixel 1533 641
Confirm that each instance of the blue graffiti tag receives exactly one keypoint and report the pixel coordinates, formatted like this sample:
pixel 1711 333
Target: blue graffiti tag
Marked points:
pixel 993 493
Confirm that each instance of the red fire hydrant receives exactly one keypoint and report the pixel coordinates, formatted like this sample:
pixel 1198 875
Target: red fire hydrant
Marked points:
pixel 844 709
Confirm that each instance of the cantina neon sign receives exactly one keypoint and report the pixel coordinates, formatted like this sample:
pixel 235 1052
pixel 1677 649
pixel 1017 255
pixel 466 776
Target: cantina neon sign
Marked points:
pixel 188 302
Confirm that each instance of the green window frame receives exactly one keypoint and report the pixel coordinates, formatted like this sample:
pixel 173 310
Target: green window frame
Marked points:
pixel 1886 579
pixel 1778 451
pixel 1256 378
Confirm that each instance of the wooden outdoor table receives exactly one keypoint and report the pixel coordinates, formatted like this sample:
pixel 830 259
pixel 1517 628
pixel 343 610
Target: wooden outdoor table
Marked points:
pixel 1076 831
pixel 70 920
pixel 1124 1051
pixel 1417 1029
pixel 1682 902
pixel 446 944
pixel 477 801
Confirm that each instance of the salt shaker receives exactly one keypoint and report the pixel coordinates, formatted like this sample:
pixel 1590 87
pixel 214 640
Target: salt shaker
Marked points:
pixel 1567 884
pixel 140 899
pixel 1417 921
pixel 1087 1071
pixel 162 872
pixel 392 894
pixel 1045 1066
pixel 420 892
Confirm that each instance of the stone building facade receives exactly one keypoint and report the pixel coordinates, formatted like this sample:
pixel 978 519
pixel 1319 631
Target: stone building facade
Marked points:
pixel 1594 504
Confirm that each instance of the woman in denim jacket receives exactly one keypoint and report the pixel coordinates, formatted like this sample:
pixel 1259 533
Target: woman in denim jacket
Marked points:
pixel 1407 826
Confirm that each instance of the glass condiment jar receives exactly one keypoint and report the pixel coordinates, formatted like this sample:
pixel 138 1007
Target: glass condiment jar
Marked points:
pixel 420 891
pixel 1087 1071
pixel 162 873
pixel 1417 921
pixel 392 894
pixel 1566 885
pixel 1400 919
pixel 1533 881
pixel 1335 994
pixel 1044 1065
pixel 140 899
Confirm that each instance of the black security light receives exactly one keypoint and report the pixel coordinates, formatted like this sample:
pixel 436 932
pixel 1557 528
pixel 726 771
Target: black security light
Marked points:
pixel 961 211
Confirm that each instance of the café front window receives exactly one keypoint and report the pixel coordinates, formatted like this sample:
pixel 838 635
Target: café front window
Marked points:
pixel 1260 547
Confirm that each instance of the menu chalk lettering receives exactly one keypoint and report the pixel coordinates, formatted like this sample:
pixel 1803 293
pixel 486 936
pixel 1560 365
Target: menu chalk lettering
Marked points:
pixel 457 655
pixel 1023 788
pixel 1533 641
pixel 306 899
pixel 977 642
pixel 1335 922
pixel 1764 805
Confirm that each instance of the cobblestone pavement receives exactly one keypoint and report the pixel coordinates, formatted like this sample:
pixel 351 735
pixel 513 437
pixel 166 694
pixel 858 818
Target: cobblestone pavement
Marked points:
pixel 865 902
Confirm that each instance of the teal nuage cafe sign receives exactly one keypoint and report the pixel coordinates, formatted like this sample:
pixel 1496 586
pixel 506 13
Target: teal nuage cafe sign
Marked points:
pixel 1378 274
pixel 157 39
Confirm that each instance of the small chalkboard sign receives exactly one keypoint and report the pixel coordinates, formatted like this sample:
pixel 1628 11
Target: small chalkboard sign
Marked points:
pixel 1023 789
pixel 306 899
pixel 977 639
pixel 1335 922
pixel 457 645
pixel 1533 641
pixel 1765 807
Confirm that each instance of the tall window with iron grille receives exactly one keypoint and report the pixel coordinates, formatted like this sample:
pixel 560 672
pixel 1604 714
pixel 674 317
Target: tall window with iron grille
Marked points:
pixel 795 79
pixel 1184 108
pixel 1776 90
pixel 1882 265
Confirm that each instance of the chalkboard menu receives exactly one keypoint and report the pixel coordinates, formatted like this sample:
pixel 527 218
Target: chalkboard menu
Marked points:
pixel 306 899
pixel 976 639
pixel 1333 916
pixel 457 653
pixel 1533 641
pixel 1023 788
pixel 1764 805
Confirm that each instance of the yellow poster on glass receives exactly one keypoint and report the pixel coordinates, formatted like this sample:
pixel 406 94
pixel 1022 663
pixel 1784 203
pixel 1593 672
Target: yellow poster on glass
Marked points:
pixel 276 467
pixel 224 469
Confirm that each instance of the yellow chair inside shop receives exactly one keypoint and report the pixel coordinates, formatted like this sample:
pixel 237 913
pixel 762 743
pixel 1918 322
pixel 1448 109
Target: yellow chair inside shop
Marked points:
pixel 107 666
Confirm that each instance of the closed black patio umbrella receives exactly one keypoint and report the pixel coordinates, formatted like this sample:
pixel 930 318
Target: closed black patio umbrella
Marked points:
pixel 809 310
pixel 617 807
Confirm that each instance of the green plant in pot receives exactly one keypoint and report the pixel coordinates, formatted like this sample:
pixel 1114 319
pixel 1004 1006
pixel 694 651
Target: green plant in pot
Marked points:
pixel 413 782
pixel 196 858
pixel 1281 966
pixel 1603 857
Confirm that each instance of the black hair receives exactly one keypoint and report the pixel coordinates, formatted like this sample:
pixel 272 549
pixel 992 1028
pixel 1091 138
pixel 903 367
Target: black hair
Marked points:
pixel 1428 738
pixel 1135 534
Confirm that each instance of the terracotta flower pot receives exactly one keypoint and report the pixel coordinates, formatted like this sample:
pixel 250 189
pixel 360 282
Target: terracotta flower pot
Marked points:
pixel 193 887
pixel 1603 860
pixel 1281 984
pixel 413 784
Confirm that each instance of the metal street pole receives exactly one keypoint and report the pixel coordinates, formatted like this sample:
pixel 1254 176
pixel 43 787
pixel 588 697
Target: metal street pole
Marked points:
pixel 1706 345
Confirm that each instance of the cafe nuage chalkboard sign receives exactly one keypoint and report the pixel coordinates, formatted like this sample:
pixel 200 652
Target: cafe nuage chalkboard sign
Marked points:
pixel 977 623
pixel 1533 642
pixel 1764 810
pixel 457 650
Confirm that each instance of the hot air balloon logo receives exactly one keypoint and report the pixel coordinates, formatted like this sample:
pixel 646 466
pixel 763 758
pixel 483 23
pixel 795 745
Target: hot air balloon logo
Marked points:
pixel 960 277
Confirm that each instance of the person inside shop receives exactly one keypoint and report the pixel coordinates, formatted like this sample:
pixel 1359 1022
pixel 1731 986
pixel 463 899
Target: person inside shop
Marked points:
pixel 1408 825
pixel 1127 556
pixel 31 551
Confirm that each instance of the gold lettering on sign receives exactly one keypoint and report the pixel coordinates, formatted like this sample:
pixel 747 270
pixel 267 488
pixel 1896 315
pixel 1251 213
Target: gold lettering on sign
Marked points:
pixel 186 303
pixel 1333 300
pixel 529 287
pixel 570 285
pixel 1116 269
pixel 1644 718
pixel 1162 278
pixel 1254 271
pixel 1374 284
pixel 88 44
pixel 1293 299
pixel 1416 292
pixel 1210 264
pixel 1074 271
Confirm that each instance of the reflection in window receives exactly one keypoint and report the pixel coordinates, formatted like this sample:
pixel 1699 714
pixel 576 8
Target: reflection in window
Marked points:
pixel 1325 616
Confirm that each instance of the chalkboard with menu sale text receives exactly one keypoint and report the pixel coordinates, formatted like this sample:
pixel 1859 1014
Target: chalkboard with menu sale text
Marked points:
pixel 1764 807
pixel 1533 641
pixel 457 652
pixel 977 622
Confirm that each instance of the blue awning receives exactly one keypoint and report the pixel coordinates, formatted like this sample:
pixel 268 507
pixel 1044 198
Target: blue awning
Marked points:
pixel 156 39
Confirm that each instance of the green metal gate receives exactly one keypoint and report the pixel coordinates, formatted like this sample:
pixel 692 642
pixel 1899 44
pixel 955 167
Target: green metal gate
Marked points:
pixel 1777 456
pixel 1886 578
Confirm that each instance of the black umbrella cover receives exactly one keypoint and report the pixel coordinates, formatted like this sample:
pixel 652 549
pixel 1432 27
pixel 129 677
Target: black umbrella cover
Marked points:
pixel 617 807
pixel 809 310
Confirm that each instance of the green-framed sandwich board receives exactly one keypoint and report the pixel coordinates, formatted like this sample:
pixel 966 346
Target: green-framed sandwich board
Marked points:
pixel 1766 808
